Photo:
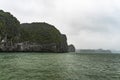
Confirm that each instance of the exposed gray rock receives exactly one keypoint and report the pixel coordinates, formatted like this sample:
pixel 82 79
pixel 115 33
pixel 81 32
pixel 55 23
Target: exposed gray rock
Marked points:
pixel 52 47
pixel 62 47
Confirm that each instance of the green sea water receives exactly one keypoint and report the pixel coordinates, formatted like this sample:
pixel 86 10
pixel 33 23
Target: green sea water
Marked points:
pixel 59 66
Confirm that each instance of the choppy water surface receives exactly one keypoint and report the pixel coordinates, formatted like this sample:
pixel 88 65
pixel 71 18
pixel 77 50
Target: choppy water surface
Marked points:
pixel 92 66
pixel 68 66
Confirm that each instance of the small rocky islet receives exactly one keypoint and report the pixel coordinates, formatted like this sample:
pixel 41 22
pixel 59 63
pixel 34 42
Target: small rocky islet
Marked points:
pixel 36 36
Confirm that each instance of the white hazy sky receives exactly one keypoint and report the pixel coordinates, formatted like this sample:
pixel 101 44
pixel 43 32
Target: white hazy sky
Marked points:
pixel 87 23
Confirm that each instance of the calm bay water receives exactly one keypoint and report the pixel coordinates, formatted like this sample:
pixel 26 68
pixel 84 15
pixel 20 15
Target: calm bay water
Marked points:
pixel 54 66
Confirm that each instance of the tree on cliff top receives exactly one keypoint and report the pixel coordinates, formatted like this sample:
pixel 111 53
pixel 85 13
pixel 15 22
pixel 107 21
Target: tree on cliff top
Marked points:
pixel 42 33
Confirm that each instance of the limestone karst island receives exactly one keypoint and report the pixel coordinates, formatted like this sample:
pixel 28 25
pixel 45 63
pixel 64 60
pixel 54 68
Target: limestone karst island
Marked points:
pixel 36 36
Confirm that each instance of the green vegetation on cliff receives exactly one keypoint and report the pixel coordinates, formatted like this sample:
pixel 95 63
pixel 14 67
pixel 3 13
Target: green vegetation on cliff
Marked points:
pixel 9 26
pixel 42 33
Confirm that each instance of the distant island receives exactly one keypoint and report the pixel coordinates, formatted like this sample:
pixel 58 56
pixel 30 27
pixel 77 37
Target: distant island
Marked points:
pixel 93 51
pixel 36 36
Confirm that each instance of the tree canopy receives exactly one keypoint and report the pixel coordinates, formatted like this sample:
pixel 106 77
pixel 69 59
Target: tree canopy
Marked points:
pixel 42 33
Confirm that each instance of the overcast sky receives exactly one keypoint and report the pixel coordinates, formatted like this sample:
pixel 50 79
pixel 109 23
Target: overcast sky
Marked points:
pixel 87 23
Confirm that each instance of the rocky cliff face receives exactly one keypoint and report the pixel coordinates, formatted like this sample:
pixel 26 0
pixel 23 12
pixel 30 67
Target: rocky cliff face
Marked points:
pixel 43 37
pixel 37 36
pixel 63 46
pixel 71 48
pixel 9 30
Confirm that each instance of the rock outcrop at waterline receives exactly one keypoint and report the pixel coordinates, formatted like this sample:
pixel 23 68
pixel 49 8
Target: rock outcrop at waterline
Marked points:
pixel 37 36
pixel 71 48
